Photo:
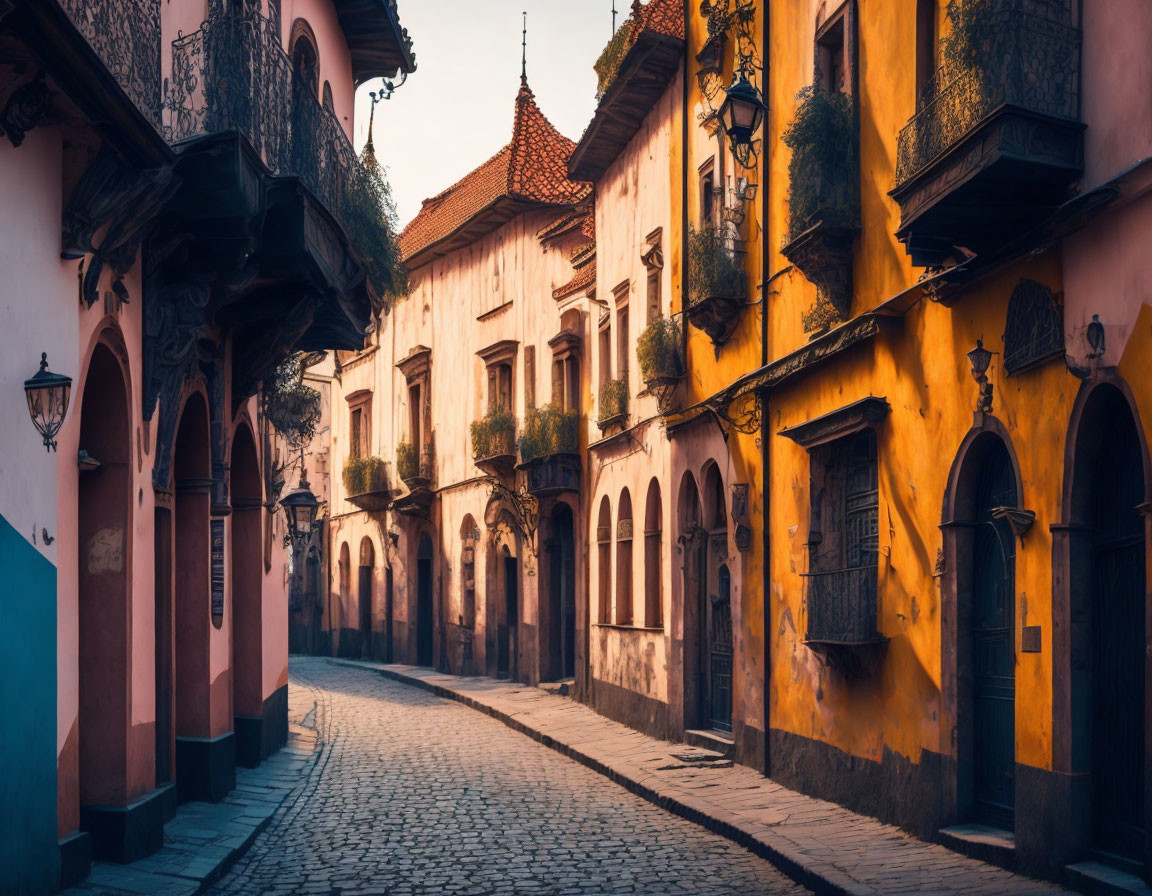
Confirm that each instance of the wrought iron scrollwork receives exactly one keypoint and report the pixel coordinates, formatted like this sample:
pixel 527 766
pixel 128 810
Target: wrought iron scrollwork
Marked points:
pixel 1024 53
pixel 742 414
pixel 525 508
pixel 1034 330
pixel 126 36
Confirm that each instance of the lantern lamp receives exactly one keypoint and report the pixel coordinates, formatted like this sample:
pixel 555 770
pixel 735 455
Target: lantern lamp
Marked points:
pixel 980 358
pixel 47 394
pixel 742 111
pixel 300 506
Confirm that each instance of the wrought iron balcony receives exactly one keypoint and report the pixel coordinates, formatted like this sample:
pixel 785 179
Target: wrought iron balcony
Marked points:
pixel 842 606
pixel 997 140
pixel 125 34
pixel 234 75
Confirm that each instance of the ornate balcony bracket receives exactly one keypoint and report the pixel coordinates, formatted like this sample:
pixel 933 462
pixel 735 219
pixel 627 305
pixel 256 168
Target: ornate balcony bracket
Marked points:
pixel 667 392
pixel 552 475
pixel 497 466
pixel 119 203
pixel 717 316
pixel 525 509
pixel 373 501
pixel 1019 520
pixel 823 254
pixel 26 107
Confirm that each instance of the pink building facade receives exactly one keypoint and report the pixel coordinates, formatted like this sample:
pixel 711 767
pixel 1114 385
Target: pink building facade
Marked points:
pixel 172 247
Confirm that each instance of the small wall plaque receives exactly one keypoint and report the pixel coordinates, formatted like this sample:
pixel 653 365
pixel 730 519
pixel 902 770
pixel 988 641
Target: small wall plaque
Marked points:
pixel 1030 639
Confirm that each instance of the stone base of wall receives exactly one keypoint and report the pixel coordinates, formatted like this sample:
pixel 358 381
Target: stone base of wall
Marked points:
pixel 629 708
pixel 894 790
pixel 75 858
pixel 258 737
pixel 126 833
pixel 205 767
pixel 749 745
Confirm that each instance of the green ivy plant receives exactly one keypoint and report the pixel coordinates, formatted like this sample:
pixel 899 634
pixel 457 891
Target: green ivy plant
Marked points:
pixel 369 218
pixel 658 349
pixel 714 269
pixel 549 430
pixel 824 174
pixel 291 407
pixel 364 474
pixel 613 400
pixel 494 434
pixel 607 67
pixel 407 461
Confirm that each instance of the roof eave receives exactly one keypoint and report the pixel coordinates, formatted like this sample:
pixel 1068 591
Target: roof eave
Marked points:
pixel 645 73
pixel 380 48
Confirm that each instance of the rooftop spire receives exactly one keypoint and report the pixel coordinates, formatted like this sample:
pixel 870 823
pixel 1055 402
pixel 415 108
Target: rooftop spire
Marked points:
pixel 524 53
pixel 613 17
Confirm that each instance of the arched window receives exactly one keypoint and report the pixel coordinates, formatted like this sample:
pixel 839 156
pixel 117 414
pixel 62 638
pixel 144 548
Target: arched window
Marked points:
pixel 305 57
pixel 653 578
pixel 469 537
pixel 345 570
pixel 327 100
pixel 604 559
pixel 624 560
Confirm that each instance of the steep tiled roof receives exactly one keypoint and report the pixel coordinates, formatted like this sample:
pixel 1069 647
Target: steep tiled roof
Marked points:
pixel 532 170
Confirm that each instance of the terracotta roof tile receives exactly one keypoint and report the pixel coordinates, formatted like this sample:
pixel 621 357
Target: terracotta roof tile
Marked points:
pixel 532 168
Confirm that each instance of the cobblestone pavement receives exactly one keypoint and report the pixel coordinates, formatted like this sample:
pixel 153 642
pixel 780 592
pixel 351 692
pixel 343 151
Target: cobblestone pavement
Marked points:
pixel 419 795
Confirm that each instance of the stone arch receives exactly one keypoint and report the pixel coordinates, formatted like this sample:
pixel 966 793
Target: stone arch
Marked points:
pixel 624 611
pixel 365 588
pixel 604 559
pixel 104 529
pixel 305 53
pixel 1101 585
pixel 979 550
pixel 247 596
pixel 653 557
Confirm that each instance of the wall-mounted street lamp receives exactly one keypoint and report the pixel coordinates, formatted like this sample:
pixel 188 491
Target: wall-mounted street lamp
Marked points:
pixel 980 358
pixel 741 115
pixel 1096 337
pixel 47 394
pixel 300 506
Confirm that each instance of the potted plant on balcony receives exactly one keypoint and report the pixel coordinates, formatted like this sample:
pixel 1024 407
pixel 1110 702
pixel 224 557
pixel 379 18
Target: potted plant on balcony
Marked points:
pixel 613 405
pixel 549 450
pixel 717 286
pixel 824 193
pixel 366 483
pixel 494 442
pixel 408 466
pixel 658 351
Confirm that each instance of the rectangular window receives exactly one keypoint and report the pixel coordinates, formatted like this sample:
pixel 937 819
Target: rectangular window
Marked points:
pixel 530 376
pixel 605 350
pixel 708 204
pixel 622 346
pixel 415 416
pixel 843 540
pixel 558 383
pixel 654 303
pixel 355 445
pixel 572 383
pixel 836 51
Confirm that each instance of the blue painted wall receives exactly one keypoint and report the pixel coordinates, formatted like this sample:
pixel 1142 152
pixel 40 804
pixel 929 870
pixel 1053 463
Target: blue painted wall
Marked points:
pixel 29 856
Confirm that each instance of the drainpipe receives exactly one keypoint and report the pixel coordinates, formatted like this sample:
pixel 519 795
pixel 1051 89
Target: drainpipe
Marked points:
pixel 766 548
pixel 684 193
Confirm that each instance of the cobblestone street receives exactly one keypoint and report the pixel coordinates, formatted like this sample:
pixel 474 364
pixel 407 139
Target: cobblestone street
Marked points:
pixel 414 794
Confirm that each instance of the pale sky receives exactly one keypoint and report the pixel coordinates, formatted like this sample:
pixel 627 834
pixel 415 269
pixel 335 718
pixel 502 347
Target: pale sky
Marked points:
pixel 456 111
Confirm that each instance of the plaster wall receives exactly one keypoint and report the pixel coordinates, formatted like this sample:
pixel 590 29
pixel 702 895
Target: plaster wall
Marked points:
pixel 36 314
pixel 332 47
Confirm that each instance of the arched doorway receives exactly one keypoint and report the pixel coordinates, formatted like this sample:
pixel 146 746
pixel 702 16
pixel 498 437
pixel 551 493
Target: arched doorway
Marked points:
pixel 502 593
pixel 364 596
pixel 624 614
pixel 343 643
pixel 716 611
pixel 424 613
pixel 693 542
pixel 104 520
pixel 247 599
pixel 205 748
pixel 559 661
pixel 1108 577
pixel 984 547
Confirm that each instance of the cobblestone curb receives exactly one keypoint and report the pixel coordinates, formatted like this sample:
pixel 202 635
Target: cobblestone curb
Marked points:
pixel 819 845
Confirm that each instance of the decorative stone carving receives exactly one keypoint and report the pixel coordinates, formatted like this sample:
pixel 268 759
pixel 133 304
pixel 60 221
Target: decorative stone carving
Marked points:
pixel 844 422
pixel 823 254
pixel 120 201
pixel 28 104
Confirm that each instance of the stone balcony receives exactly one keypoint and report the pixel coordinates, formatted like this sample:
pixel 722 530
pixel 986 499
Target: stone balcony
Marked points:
pixel 997 143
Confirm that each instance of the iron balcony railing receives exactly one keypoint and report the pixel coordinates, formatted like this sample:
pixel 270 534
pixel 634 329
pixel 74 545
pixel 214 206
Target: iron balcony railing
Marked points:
pixel 1022 54
pixel 125 34
pixel 842 605
pixel 234 75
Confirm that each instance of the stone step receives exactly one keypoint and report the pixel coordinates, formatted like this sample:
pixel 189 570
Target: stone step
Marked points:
pixel 980 841
pixel 717 741
pixel 1098 879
